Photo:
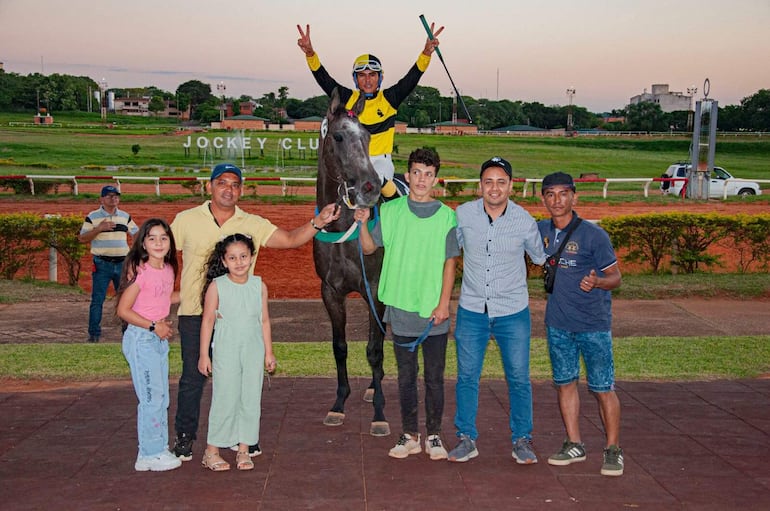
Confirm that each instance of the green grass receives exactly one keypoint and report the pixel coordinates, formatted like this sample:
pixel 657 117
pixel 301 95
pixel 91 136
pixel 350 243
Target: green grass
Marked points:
pixel 636 358
pixel 78 150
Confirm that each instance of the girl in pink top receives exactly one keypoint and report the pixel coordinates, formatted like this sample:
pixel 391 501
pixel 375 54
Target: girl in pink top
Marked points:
pixel 144 300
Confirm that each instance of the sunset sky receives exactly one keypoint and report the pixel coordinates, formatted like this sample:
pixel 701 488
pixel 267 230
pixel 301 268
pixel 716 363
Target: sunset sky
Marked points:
pixel 607 50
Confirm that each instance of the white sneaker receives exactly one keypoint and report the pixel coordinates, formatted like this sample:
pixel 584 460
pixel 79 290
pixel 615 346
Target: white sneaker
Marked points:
pixel 435 448
pixel 406 445
pixel 158 463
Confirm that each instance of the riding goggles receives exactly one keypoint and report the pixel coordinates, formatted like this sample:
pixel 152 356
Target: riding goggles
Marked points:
pixel 372 65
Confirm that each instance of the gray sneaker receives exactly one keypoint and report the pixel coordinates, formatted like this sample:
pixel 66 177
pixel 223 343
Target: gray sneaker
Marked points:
pixel 464 451
pixel 571 452
pixel 405 446
pixel 434 448
pixel 613 461
pixel 523 452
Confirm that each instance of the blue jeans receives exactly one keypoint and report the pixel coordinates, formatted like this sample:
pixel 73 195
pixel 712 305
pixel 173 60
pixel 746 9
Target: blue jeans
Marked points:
pixel 512 334
pixel 147 356
pixel 104 273
pixel 565 348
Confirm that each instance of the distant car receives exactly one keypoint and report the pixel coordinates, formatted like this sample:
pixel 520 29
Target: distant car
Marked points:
pixel 719 179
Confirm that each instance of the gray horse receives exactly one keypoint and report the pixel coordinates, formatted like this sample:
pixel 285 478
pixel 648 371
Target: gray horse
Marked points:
pixel 346 176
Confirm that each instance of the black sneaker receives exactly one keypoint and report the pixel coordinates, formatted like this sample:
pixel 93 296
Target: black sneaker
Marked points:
pixel 613 461
pixel 254 450
pixel 93 338
pixel 183 446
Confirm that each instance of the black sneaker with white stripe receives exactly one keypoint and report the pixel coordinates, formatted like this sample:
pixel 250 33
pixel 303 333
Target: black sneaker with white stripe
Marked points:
pixel 571 452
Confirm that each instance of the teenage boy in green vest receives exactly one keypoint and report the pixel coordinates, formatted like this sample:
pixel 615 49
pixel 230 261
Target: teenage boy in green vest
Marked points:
pixel 418 272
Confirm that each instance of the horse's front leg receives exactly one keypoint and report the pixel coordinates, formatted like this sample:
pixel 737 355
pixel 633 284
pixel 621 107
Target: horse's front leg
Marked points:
pixel 335 306
pixel 375 356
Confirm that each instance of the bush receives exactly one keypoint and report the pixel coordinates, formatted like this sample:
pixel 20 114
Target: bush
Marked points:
pixel 21 186
pixel 22 235
pixel 684 239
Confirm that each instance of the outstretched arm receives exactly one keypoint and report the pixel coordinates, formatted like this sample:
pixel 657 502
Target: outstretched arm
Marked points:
pixel 292 239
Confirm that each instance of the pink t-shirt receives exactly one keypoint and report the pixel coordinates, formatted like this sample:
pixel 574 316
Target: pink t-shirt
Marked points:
pixel 155 287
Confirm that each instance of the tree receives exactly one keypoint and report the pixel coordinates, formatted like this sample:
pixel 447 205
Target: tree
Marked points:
pixel 646 116
pixel 756 110
pixel 195 94
pixel 157 104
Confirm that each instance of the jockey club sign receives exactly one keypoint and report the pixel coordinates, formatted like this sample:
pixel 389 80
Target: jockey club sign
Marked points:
pixel 238 143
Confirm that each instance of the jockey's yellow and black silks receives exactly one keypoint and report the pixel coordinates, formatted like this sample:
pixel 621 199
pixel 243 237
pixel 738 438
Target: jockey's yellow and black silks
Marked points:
pixel 379 115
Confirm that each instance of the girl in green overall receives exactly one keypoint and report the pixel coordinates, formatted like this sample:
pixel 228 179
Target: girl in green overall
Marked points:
pixel 235 312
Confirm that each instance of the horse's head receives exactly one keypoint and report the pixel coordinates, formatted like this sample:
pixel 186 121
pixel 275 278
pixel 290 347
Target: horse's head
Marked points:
pixel 344 157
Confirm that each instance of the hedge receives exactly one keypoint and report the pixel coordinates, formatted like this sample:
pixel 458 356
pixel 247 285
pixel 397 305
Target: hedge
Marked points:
pixel 23 235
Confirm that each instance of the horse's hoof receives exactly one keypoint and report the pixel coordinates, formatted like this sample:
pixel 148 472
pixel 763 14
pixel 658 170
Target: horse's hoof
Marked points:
pixel 334 419
pixel 369 395
pixel 379 428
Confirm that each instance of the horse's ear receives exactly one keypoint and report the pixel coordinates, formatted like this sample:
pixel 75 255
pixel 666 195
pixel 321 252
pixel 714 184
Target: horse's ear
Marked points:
pixel 335 102
pixel 360 104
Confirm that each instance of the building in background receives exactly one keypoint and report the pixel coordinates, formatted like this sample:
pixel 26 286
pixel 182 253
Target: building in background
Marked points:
pixel 669 101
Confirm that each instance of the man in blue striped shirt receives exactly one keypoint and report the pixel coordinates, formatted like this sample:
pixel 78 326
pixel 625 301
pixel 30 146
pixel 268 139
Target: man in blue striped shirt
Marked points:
pixel 494 234
pixel 106 229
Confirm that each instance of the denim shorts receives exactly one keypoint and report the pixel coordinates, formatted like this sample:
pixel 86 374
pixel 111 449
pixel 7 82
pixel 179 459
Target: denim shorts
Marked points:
pixel 565 348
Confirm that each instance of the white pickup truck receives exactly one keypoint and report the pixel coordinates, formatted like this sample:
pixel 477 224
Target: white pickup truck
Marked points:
pixel 720 179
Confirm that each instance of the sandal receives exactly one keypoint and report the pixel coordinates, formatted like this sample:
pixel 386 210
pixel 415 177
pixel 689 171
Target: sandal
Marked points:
pixel 243 461
pixel 214 462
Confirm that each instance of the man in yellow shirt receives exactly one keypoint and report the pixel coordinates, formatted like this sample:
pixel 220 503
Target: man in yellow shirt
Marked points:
pixel 196 231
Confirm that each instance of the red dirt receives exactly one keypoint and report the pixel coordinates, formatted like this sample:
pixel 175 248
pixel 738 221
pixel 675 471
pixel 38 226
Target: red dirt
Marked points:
pixel 290 273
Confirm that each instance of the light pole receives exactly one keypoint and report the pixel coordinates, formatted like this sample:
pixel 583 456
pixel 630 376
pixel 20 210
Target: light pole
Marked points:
pixel 570 94
pixel 691 91
pixel 221 88
pixel 103 98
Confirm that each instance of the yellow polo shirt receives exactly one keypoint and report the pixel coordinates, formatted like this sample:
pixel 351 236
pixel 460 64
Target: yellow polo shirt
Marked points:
pixel 195 234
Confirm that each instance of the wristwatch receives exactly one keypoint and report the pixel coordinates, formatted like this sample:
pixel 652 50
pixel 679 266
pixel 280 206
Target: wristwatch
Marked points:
pixel 152 327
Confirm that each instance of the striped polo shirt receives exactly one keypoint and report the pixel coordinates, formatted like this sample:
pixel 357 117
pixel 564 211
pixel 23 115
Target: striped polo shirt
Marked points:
pixel 111 243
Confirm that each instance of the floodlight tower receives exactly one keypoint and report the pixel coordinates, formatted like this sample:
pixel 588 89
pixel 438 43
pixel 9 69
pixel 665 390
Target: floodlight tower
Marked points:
pixel 103 98
pixel 221 88
pixel 570 95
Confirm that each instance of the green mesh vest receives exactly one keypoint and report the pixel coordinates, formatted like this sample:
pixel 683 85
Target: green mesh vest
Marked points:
pixel 415 252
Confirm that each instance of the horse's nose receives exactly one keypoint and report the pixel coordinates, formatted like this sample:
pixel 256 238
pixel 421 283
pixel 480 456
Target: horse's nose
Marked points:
pixel 368 187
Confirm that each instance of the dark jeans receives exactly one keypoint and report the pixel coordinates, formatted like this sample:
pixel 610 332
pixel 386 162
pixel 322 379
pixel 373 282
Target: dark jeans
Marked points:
pixel 434 360
pixel 104 273
pixel 191 382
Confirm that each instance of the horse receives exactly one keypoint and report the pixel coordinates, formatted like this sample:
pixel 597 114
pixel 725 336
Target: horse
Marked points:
pixel 346 177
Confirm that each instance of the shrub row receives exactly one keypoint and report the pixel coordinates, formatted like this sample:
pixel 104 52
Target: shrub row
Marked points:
pixel 688 242
pixel 25 235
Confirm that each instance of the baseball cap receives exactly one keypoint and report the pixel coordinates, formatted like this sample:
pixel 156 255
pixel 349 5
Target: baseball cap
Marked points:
pixel 223 168
pixel 496 161
pixel 558 179
pixel 110 189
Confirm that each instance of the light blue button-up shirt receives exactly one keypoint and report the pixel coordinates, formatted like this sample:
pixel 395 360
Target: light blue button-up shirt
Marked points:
pixel 494 268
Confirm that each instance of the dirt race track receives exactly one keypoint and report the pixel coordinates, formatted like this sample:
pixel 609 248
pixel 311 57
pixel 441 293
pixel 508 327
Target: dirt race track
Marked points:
pixel 290 273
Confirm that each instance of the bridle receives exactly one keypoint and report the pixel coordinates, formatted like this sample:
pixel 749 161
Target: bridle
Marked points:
pixel 343 190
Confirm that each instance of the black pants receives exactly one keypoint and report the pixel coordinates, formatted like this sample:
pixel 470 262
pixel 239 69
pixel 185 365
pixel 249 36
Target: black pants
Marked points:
pixel 434 360
pixel 192 381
